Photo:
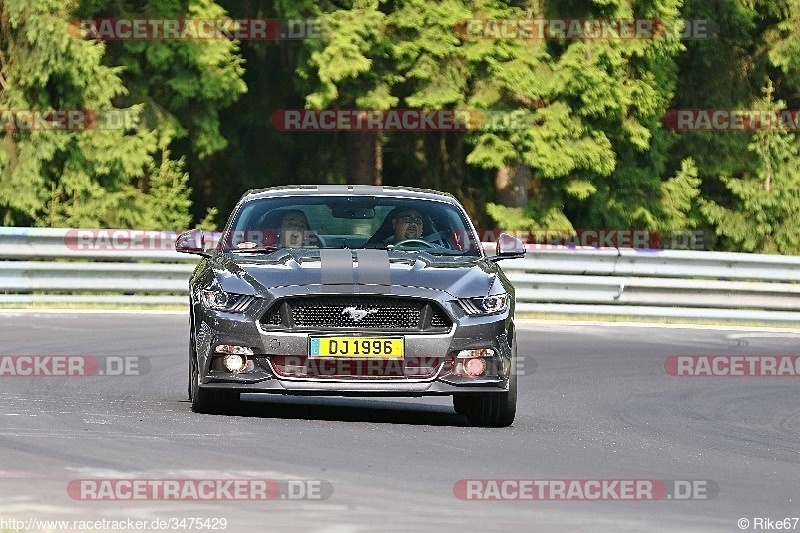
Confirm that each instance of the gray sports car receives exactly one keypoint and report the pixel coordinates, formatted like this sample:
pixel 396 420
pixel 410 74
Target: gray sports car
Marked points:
pixel 352 291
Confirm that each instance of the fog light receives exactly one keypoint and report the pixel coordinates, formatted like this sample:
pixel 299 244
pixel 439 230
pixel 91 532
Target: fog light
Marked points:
pixel 475 366
pixel 233 349
pixel 473 363
pixel 481 352
pixel 235 362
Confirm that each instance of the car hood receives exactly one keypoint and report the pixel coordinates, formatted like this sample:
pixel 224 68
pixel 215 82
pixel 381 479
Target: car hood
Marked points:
pixel 346 269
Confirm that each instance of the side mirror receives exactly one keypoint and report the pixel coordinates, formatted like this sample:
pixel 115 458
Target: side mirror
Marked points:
pixel 509 247
pixel 191 242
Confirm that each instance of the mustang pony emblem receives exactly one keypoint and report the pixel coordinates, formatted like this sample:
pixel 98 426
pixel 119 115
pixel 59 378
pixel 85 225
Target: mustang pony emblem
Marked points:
pixel 357 315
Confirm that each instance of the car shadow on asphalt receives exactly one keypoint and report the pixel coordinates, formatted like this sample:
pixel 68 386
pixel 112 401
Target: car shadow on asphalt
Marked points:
pixel 376 410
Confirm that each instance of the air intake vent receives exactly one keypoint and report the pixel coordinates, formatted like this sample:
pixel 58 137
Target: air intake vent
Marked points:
pixel 359 312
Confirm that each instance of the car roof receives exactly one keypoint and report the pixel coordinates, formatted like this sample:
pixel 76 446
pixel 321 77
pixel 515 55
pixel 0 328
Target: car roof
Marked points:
pixel 364 190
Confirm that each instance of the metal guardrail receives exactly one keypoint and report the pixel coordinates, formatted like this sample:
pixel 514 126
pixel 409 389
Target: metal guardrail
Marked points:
pixel 100 245
pixel 664 283
pixel 45 265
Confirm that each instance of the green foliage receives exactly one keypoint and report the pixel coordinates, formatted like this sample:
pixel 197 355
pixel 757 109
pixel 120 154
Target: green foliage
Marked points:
pixel 587 114
pixel 783 41
pixel 209 221
pixel 51 177
pixel 106 177
pixel 529 218
pixel 347 68
pixel 763 217
pixel 185 83
pixel 679 198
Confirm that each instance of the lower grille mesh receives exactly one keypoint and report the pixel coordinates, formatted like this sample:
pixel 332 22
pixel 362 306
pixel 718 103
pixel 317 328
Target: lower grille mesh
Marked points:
pixel 330 312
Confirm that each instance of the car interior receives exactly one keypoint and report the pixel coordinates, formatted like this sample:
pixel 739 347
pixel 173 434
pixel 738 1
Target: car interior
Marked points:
pixel 334 225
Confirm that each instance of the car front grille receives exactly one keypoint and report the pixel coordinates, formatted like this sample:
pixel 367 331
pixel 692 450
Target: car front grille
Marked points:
pixel 357 312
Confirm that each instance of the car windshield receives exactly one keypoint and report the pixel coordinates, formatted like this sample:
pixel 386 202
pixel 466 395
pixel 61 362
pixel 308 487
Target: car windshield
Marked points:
pixel 267 224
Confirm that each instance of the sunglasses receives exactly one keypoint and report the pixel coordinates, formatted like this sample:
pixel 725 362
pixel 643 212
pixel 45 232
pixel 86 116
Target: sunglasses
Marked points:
pixel 408 219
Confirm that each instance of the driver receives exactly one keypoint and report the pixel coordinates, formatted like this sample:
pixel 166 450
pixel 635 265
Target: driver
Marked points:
pixel 407 224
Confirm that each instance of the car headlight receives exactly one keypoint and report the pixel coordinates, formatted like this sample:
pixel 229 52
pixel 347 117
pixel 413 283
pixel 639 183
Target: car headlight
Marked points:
pixel 219 300
pixel 487 305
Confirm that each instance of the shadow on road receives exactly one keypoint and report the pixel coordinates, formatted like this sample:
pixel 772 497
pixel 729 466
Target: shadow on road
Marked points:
pixel 347 410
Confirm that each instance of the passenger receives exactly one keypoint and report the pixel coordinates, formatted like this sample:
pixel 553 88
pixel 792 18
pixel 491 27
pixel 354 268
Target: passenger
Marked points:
pixel 293 229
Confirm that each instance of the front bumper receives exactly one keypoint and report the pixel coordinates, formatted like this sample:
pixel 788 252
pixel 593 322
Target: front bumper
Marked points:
pixel 357 388
pixel 268 345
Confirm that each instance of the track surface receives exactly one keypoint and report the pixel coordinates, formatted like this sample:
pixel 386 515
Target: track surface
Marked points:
pixel 595 402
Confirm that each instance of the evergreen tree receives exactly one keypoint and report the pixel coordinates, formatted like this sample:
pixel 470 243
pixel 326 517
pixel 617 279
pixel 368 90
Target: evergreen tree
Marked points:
pixel 763 215
pixel 103 177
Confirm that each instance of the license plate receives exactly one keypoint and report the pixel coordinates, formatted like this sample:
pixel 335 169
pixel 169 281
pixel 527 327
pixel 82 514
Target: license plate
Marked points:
pixel 357 347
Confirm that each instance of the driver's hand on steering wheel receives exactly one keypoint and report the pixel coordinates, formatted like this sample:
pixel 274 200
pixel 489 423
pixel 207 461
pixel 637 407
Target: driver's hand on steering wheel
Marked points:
pixel 411 242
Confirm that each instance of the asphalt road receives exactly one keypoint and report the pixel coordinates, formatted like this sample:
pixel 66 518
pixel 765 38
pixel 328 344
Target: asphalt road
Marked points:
pixel 595 403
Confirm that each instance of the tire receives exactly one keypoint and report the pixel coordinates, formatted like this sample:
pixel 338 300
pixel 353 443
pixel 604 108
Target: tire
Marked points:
pixel 461 403
pixel 493 409
pixel 192 356
pixel 206 401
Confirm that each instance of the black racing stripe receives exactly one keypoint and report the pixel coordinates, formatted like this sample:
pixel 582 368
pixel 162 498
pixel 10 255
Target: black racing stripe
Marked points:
pixel 337 268
pixel 367 189
pixel 332 189
pixel 373 267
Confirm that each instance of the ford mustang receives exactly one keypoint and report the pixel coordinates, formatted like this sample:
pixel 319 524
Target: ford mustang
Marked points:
pixel 352 291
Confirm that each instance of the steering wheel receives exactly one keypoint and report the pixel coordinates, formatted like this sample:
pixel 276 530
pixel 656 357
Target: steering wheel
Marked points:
pixel 426 244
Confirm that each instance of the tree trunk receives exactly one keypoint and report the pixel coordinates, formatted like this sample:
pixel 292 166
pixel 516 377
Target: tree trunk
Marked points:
pixel 511 185
pixel 364 157
pixel 378 159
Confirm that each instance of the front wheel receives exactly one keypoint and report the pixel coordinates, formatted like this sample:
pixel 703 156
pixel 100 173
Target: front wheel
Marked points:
pixel 461 403
pixel 492 409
